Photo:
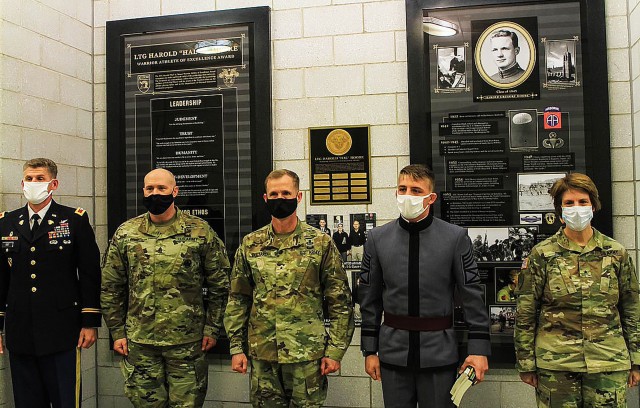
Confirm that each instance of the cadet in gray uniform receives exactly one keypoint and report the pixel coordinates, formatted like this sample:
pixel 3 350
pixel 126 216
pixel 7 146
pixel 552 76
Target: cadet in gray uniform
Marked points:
pixel 409 271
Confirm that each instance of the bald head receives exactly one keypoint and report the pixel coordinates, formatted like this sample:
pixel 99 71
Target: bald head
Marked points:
pixel 160 175
pixel 159 181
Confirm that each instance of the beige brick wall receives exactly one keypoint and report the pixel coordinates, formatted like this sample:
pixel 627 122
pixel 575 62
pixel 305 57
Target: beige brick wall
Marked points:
pixel 631 126
pixel 334 62
pixel 46 100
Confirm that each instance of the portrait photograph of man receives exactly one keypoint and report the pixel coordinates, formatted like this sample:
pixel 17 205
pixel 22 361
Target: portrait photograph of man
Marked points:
pixel 505 57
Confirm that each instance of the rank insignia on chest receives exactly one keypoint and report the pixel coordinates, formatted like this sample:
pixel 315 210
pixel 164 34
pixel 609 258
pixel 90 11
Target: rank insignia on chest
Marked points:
pixel 309 243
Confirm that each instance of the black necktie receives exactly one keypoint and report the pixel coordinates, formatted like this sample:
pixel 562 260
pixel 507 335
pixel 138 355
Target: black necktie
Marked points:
pixel 34 227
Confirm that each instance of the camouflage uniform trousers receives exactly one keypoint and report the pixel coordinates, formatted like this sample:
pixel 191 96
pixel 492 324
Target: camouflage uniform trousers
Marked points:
pixel 278 385
pixel 167 376
pixel 565 389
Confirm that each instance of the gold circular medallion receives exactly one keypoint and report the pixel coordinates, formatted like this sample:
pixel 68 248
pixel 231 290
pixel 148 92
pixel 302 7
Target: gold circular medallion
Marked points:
pixel 339 142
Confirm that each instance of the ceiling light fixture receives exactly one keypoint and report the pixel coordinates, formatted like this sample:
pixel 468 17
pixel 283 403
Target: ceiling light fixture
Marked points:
pixel 439 27
pixel 213 46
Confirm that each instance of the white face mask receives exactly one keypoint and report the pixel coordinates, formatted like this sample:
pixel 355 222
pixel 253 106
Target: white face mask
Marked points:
pixel 411 206
pixel 35 191
pixel 577 217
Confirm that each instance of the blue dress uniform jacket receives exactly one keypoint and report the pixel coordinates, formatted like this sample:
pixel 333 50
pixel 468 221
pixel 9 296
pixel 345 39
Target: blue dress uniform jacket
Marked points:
pixel 49 285
pixel 411 269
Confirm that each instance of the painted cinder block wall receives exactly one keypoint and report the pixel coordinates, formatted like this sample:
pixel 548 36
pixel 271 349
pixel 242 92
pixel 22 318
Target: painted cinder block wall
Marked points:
pixel 46 109
pixel 334 62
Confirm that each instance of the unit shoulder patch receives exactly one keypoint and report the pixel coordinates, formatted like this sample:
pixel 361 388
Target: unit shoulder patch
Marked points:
pixel 80 211
pixel 2 214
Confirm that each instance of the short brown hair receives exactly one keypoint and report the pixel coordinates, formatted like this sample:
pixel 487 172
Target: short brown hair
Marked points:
pixel 574 181
pixel 419 172
pixel 276 174
pixel 507 33
pixel 48 164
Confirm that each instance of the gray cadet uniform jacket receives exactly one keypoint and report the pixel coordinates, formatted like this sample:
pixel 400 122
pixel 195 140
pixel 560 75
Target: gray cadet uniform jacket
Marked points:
pixel 411 269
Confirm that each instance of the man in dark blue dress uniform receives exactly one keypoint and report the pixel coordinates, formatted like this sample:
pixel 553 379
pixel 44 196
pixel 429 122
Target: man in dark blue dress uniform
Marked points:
pixel 49 292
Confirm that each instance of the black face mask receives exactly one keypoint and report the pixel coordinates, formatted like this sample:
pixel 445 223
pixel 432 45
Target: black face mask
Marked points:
pixel 158 203
pixel 282 207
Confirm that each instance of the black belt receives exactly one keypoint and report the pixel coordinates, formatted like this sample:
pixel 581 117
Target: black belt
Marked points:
pixel 416 323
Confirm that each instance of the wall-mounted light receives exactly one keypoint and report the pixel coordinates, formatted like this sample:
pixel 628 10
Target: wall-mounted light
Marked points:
pixel 213 46
pixel 439 27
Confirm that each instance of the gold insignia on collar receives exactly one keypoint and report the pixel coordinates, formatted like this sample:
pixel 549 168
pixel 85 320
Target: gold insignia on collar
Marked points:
pixel 21 222
pixel 50 222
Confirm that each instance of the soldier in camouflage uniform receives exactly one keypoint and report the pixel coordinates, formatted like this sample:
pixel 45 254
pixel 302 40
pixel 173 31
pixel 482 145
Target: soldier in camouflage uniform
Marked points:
pixel 153 277
pixel 280 276
pixel 577 333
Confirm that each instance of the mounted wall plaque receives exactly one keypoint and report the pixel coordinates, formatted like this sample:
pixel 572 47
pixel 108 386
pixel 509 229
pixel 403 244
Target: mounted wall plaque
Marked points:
pixel 192 94
pixel 340 165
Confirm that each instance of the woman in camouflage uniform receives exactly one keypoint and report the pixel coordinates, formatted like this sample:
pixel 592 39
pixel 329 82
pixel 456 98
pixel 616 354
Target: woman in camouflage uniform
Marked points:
pixel 577 333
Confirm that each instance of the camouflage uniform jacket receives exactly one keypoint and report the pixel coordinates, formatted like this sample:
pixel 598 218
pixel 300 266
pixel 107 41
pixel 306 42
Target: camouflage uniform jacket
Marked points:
pixel 578 308
pixel 277 290
pixel 153 281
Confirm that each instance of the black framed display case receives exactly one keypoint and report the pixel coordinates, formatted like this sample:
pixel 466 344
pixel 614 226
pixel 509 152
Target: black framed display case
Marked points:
pixel 192 93
pixel 505 97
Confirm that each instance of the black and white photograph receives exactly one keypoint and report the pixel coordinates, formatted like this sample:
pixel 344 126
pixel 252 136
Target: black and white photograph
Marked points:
pixel 523 129
pixel 560 62
pixel 504 58
pixel 508 244
pixel 489 243
pixel 506 54
pixel 503 319
pixel 521 242
pixel 533 191
pixel 506 281
pixel 452 69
